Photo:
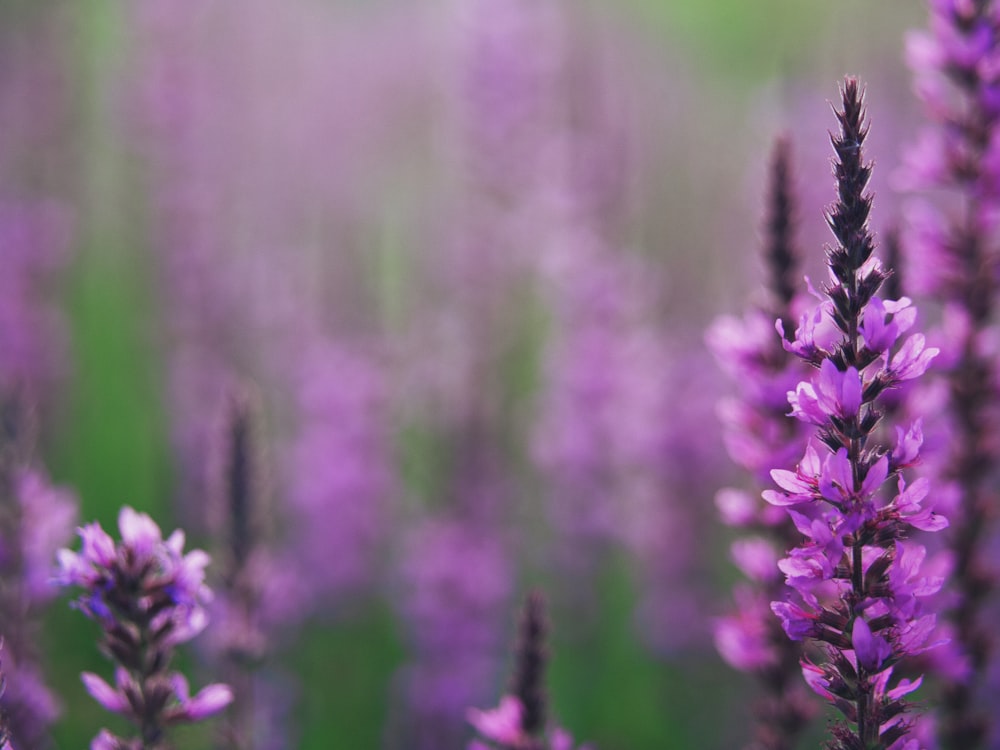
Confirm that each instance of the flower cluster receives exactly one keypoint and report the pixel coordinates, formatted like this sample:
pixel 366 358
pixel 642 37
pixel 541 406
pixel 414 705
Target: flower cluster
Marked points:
pixel 36 518
pixel 760 437
pixel 457 579
pixel 238 642
pixel 148 596
pixel 856 582
pixel 957 67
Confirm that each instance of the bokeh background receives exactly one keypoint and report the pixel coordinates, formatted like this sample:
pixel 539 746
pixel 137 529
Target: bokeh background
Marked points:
pixel 465 252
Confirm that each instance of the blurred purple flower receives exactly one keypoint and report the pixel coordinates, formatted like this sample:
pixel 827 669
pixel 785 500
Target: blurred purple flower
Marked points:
pixel 36 518
pixel 36 226
pixel 955 257
pixel 35 238
pixel 253 234
pixel 339 477
pixel 456 583
pixel 521 720
pixel 502 725
pixel 760 437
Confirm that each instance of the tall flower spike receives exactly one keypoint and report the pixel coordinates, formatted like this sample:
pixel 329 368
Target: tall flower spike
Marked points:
pixel 780 251
pixel 957 258
pixel 148 597
pixel 239 640
pixel 36 518
pixel 760 436
pixel 855 580
pixel 520 721
pixel 528 682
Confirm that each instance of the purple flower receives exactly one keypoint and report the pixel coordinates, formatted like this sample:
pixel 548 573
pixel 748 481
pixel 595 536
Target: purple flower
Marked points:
pixel 148 595
pixel 955 255
pixel 113 699
pixel 744 639
pixel 207 702
pixel 501 724
pixel 455 583
pixel 338 477
pixel 520 721
pixel 760 437
pixel 36 229
pixel 856 585
pixel 36 518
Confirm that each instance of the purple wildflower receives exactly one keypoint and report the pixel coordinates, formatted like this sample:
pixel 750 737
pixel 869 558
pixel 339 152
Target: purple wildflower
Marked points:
pixel 856 584
pixel 34 236
pixel 338 476
pixel 148 596
pixel 457 580
pixel 520 721
pixel 759 436
pixel 35 225
pixel 956 260
pixel 239 640
pixel 36 518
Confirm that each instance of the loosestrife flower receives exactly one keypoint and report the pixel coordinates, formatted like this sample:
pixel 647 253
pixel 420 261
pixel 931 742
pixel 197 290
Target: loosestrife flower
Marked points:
pixel 760 436
pixel 36 226
pixel 148 596
pixel 855 580
pixel 520 722
pixel 36 518
pixel 957 67
pixel 239 641
pixel 457 578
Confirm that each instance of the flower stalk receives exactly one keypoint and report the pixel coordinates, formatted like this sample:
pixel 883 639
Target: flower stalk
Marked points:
pixel 855 579
pixel 955 67
pixel 148 597
pixel 759 436
pixel 521 720
pixel 237 607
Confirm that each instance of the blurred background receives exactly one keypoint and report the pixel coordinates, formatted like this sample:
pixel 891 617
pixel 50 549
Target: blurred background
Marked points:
pixel 462 253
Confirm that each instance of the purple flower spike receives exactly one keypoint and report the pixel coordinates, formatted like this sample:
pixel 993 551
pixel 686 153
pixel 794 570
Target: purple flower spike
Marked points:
pixel 856 586
pixel 956 260
pixel 239 643
pixel 36 518
pixel 761 437
pixel 148 596
pixel 520 721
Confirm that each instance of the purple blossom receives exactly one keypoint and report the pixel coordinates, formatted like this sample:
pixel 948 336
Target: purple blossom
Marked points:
pixel 955 256
pixel 759 436
pixel 36 518
pixel 36 225
pixel 35 238
pixel 252 234
pixel 521 720
pixel 857 586
pixel 502 725
pixel 242 637
pixel 148 595
pixel 745 638
pixel 456 583
pixel 338 481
